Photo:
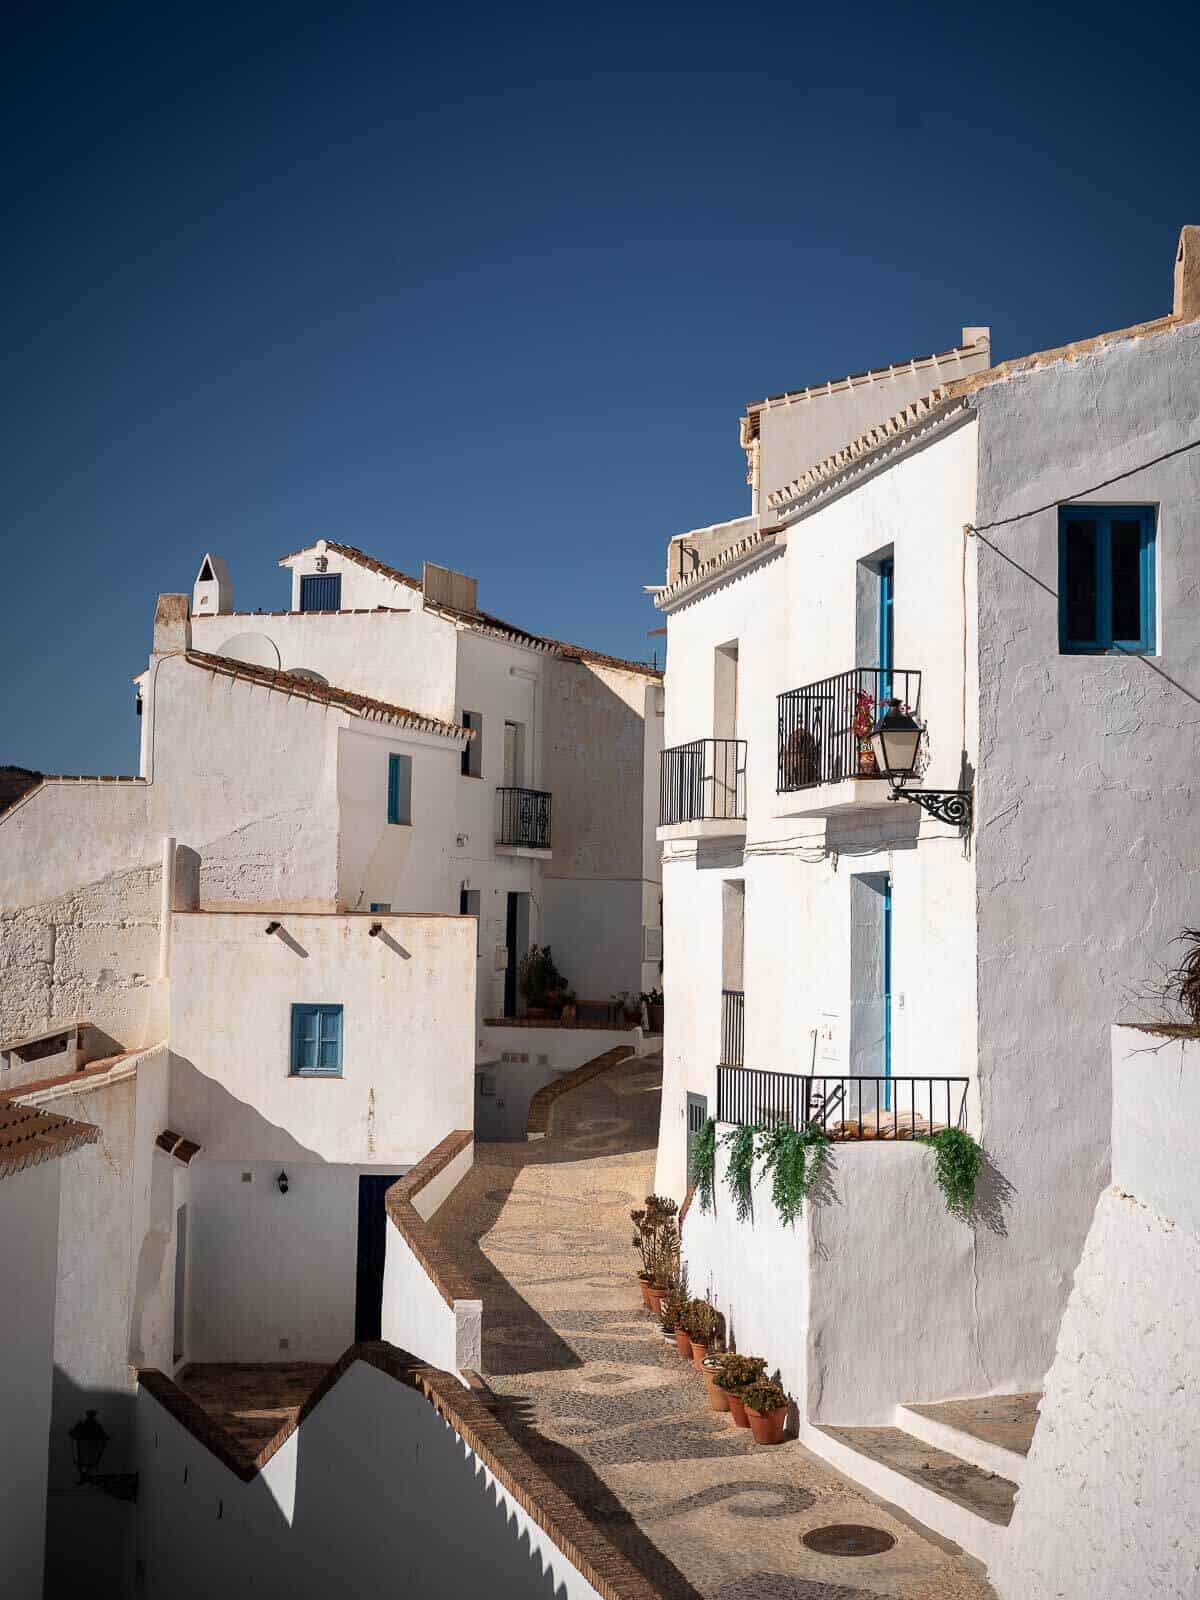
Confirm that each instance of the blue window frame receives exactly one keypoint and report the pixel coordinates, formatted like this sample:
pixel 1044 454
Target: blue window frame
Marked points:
pixel 1106 579
pixel 321 591
pixel 316 1041
pixel 399 793
pixel 887 627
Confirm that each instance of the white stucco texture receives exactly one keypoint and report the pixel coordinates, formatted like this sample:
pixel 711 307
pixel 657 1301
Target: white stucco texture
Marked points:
pixel 373 1494
pixel 407 1035
pixel 28 1270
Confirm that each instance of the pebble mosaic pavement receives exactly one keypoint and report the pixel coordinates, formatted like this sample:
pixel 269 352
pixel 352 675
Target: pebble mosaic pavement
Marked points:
pixel 581 1375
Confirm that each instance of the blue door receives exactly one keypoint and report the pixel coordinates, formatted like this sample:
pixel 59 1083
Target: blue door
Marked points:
pixel 372 1253
pixel 887 993
pixel 887 630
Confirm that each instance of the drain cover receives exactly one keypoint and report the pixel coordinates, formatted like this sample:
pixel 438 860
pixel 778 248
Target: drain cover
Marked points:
pixel 848 1539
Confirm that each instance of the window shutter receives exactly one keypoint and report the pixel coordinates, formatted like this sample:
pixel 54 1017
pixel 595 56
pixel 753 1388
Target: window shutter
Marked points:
pixel 399 789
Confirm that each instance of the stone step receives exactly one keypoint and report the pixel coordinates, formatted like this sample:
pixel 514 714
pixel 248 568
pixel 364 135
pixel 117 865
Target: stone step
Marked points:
pixel 993 1432
pixel 954 1497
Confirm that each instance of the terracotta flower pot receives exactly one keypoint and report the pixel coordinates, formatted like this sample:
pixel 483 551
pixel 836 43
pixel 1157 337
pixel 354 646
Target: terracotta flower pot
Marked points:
pixel 646 1300
pixel 656 1298
pixel 767 1426
pixel 718 1400
pixel 737 1411
pixel 867 766
pixel 699 1351
pixel 683 1344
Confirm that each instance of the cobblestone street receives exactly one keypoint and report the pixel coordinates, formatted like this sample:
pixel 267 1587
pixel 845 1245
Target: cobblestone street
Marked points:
pixel 580 1371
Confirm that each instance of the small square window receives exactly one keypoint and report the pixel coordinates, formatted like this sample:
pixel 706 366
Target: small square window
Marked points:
pixel 382 906
pixel 316 1041
pixel 1106 580
pixel 399 791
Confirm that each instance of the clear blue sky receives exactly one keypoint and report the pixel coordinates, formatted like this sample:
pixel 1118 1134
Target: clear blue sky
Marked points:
pixel 490 285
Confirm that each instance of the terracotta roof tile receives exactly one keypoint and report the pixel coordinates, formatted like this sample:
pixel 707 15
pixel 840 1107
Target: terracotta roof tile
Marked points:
pixel 326 694
pixel 81 1078
pixel 29 1137
pixel 174 1144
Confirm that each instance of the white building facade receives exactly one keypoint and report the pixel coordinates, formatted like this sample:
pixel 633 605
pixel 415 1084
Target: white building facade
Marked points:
pixel 1011 554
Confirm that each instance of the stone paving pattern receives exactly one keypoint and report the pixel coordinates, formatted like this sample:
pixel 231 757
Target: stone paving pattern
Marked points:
pixel 582 1376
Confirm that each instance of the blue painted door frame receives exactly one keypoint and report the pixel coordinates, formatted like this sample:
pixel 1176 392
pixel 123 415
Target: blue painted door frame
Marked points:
pixel 887 627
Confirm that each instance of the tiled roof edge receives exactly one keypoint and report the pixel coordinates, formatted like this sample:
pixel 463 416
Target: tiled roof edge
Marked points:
pixel 752 544
pixel 448 1275
pixel 587 1547
pixel 360 558
pixel 327 694
pixel 35 1137
pixel 95 1075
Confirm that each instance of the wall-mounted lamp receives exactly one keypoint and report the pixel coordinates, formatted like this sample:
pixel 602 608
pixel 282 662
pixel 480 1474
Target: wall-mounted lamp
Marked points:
pixel 273 927
pixel 282 1184
pixel 896 741
pixel 461 841
pixel 375 930
pixel 89 1440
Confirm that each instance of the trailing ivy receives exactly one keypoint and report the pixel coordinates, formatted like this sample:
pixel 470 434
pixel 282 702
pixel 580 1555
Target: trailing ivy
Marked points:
pixel 957 1162
pixel 794 1159
pixel 739 1177
pixel 704 1165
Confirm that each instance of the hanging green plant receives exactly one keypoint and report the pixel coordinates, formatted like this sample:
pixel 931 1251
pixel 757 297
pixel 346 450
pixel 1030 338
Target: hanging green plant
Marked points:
pixel 704 1165
pixel 739 1177
pixel 794 1159
pixel 957 1162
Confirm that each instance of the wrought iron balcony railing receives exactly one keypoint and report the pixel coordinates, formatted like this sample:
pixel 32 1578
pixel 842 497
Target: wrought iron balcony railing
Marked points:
pixel 847 1108
pixel 733 1027
pixel 523 818
pixel 822 727
pixel 704 781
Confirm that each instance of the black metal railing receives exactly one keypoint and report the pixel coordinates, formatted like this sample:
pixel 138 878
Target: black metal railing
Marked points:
pixel 704 781
pixel 847 1108
pixel 733 1027
pixel 523 818
pixel 821 726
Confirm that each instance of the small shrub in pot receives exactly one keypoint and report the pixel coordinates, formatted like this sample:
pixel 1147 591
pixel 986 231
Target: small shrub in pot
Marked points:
pixel 766 1406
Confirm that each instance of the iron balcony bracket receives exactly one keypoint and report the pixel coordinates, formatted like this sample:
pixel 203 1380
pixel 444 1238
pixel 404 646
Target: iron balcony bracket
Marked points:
pixel 953 806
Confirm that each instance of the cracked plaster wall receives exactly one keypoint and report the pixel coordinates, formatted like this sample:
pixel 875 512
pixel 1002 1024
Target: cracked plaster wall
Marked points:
pixel 1085 803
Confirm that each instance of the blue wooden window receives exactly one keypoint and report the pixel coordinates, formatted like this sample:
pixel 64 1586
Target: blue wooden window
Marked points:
pixel 1106 579
pixel 399 799
pixel 316 1041
pixel 321 591
pixel 887 627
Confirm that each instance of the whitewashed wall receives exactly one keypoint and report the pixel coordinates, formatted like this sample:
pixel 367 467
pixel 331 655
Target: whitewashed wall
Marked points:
pixel 28 1269
pixel 795 619
pixel 265 1267
pixel 1109 1504
pixel 374 1493
pixel 416 1316
pixel 408 1035
pixel 1085 837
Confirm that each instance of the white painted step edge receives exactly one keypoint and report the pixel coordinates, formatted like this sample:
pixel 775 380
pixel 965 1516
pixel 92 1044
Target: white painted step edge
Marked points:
pixel 974 1534
pixel 990 1457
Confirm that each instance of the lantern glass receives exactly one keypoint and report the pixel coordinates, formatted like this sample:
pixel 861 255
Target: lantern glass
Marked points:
pixel 88 1441
pixel 896 741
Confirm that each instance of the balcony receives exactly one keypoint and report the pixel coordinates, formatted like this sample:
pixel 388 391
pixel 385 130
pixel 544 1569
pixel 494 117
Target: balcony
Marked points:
pixel 826 766
pixel 702 790
pixel 733 1027
pixel 854 1108
pixel 523 822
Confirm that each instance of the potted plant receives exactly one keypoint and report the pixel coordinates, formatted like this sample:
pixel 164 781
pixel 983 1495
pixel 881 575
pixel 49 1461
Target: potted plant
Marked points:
pixel 860 727
pixel 703 1324
pixel 674 1317
pixel 657 1242
pixel 541 984
pixel 766 1406
pixel 653 1002
pixel 735 1374
pixel 718 1399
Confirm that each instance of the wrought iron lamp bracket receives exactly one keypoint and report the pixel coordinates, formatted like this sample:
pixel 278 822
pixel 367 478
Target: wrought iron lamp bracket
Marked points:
pixel 952 806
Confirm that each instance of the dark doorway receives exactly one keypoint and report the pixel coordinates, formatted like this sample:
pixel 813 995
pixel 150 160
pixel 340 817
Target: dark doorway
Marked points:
pixel 372 1249
pixel 510 971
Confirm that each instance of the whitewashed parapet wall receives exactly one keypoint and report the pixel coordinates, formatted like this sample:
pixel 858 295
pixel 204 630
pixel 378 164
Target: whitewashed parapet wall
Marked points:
pixel 1109 1504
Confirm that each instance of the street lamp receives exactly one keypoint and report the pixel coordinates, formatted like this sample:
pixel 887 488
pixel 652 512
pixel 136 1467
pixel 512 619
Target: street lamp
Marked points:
pixel 89 1440
pixel 896 741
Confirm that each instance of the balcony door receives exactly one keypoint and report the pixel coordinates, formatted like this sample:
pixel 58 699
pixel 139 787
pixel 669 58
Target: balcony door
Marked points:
pixel 887 627
pixel 514 755
pixel 871 955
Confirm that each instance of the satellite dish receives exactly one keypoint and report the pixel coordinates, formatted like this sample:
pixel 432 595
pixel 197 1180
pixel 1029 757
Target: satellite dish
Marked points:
pixel 255 649
pixel 306 673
